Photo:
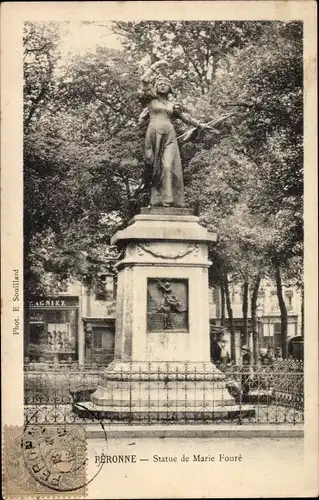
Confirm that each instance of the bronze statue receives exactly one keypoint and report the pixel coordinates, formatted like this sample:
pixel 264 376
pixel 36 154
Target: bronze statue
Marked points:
pixel 162 156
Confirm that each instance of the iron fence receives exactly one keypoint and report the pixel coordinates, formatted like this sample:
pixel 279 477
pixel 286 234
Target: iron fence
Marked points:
pixel 165 393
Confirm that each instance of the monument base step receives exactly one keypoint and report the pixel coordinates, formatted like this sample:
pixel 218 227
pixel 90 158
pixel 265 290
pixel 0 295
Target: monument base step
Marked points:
pixel 167 211
pixel 87 409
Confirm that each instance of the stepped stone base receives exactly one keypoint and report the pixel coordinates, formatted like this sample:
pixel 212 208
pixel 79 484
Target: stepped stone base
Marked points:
pixel 164 414
pixel 159 386
pixel 167 211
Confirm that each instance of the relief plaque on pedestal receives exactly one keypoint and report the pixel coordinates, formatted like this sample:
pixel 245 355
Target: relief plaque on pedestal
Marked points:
pixel 167 305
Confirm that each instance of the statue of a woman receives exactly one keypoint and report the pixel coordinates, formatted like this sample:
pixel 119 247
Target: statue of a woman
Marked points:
pixel 162 157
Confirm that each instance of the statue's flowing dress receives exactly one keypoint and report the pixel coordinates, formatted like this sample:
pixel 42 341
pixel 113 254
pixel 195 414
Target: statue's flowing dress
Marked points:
pixel 162 155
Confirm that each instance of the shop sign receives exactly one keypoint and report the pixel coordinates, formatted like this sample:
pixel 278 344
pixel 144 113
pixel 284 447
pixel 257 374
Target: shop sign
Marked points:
pixel 55 302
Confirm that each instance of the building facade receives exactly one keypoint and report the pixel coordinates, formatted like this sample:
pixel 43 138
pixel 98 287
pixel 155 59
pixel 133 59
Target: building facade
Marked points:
pixel 79 324
pixel 75 325
pixel 268 314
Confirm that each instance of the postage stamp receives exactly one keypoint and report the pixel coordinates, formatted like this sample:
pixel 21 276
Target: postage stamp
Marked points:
pixel 44 461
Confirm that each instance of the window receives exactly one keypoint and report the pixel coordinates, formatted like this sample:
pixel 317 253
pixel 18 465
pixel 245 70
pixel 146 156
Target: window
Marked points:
pixel 288 296
pixel 103 338
pixel 97 339
pixel 61 330
pixel 277 334
pixel 274 306
pixel 105 288
pixel 36 317
pixel 277 328
pixel 36 333
pixel 53 331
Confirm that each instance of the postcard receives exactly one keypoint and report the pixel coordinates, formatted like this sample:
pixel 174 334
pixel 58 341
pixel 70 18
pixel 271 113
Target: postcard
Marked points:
pixel 159 271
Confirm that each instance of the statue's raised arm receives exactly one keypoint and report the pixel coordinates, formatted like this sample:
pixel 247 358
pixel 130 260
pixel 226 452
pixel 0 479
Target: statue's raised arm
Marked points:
pixel 151 74
pixel 162 157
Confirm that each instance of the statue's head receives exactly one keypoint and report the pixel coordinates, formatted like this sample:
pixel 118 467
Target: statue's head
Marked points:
pixel 162 85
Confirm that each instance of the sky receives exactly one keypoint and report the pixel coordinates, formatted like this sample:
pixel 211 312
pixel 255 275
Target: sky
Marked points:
pixel 77 38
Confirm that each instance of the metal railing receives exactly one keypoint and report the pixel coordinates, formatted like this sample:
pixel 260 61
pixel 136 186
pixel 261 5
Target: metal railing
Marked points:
pixel 165 393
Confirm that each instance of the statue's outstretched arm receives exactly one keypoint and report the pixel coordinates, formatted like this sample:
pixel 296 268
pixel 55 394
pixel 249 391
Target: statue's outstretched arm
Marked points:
pixel 186 118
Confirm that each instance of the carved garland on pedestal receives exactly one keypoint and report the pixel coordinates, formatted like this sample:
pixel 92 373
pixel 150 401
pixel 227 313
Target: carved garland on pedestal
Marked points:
pixel 141 248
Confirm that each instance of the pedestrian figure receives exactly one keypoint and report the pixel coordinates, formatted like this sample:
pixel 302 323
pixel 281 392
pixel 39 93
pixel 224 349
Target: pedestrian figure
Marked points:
pixel 216 349
pixel 246 376
pixel 50 340
pixel 263 355
pixel 245 354
pixel 224 353
pixel 278 354
pixel 270 353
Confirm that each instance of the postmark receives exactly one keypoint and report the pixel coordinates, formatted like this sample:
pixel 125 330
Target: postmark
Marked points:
pixel 55 456
pixel 19 480
pixel 47 460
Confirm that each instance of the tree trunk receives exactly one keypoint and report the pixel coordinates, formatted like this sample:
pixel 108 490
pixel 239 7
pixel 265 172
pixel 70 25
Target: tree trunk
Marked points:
pixel 254 321
pixel 222 297
pixel 245 313
pixel 231 319
pixel 283 310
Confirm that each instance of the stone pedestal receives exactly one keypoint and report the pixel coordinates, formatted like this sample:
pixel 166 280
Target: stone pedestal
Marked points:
pixel 162 344
pixel 172 248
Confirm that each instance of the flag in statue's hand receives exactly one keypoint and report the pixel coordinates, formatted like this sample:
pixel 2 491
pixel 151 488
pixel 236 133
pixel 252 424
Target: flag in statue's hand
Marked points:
pixel 193 132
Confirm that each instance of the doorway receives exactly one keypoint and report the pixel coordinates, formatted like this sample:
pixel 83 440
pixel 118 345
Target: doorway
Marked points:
pixel 102 345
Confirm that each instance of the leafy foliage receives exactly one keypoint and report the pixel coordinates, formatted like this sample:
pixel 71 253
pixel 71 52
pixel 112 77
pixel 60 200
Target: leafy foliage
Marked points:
pixel 83 153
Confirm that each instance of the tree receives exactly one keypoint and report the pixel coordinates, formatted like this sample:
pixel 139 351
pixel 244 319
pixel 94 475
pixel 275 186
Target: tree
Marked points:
pixel 271 139
pixel 39 63
pixel 84 151
pixel 75 167
pixel 196 50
